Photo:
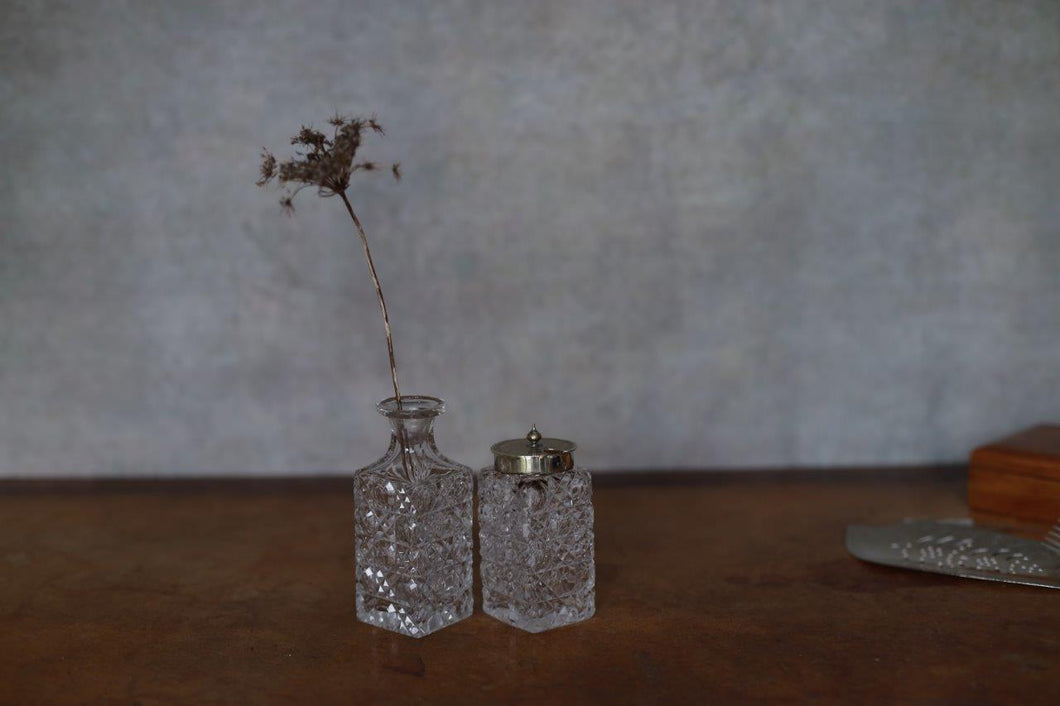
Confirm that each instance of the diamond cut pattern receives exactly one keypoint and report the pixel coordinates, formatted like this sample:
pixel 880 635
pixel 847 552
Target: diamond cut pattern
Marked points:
pixel 413 543
pixel 536 543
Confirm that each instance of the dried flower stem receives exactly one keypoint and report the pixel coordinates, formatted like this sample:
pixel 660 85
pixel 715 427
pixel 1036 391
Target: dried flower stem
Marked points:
pixel 402 439
pixel 379 296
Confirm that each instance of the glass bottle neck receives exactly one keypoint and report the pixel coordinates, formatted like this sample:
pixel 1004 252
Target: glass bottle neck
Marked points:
pixel 416 431
pixel 411 421
pixel 412 454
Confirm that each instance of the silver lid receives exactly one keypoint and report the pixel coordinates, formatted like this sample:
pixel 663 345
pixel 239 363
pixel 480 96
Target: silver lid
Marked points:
pixel 533 454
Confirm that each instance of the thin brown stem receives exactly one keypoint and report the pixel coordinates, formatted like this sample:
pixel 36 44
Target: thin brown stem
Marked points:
pixel 379 296
pixel 386 324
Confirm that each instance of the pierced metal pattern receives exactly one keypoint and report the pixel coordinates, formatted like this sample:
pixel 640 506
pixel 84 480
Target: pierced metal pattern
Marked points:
pixel 959 548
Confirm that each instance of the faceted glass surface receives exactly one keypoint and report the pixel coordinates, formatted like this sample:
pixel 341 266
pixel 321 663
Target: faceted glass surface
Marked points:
pixel 413 529
pixel 536 545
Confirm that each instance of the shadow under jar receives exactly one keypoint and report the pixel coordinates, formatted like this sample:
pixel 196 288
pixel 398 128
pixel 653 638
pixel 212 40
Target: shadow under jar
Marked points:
pixel 413 512
pixel 536 535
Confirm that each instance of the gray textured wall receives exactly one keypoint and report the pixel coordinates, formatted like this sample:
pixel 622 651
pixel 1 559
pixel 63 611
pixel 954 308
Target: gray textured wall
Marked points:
pixel 680 233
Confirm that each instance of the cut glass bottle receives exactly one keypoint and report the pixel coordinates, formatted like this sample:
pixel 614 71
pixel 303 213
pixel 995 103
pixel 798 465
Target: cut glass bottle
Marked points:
pixel 536 535
pixel 413 513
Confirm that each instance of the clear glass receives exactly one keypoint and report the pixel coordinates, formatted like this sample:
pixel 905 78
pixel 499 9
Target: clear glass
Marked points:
pixel 413 528
pixel 536 547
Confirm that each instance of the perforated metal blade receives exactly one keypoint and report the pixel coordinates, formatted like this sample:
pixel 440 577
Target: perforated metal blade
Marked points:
pixel 959 548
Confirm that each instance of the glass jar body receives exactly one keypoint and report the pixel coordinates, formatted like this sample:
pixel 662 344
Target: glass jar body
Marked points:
pixel 536 546
pixel 413 513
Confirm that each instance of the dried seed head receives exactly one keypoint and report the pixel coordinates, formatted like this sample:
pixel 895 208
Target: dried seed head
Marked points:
pixel 323 161
pixel 268 168
pixel 310 138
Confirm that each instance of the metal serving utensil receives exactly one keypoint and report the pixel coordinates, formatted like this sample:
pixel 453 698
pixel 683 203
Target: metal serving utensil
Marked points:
pixel 959 548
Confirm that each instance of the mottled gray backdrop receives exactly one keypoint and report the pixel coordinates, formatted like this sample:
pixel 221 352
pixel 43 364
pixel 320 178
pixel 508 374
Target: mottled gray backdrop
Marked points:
pixel 727 234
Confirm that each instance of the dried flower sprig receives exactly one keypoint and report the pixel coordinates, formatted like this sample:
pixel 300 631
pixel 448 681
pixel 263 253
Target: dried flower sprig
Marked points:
pixel 322 161
pixel 328 163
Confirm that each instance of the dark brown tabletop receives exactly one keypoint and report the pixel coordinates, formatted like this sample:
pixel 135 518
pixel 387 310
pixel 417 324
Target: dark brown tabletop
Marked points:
pixel 712 588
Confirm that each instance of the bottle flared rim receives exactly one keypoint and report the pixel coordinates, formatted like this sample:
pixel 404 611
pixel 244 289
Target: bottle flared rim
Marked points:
pixel 412 407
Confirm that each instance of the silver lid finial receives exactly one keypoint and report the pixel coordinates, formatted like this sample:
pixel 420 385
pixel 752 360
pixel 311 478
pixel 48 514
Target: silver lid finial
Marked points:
pixel 534 436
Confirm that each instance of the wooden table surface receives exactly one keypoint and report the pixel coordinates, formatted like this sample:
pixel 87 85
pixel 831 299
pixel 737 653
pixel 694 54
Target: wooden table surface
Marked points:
pixel 712 588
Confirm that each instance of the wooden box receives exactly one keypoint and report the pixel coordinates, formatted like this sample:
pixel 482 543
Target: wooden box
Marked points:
pixel 1015 482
